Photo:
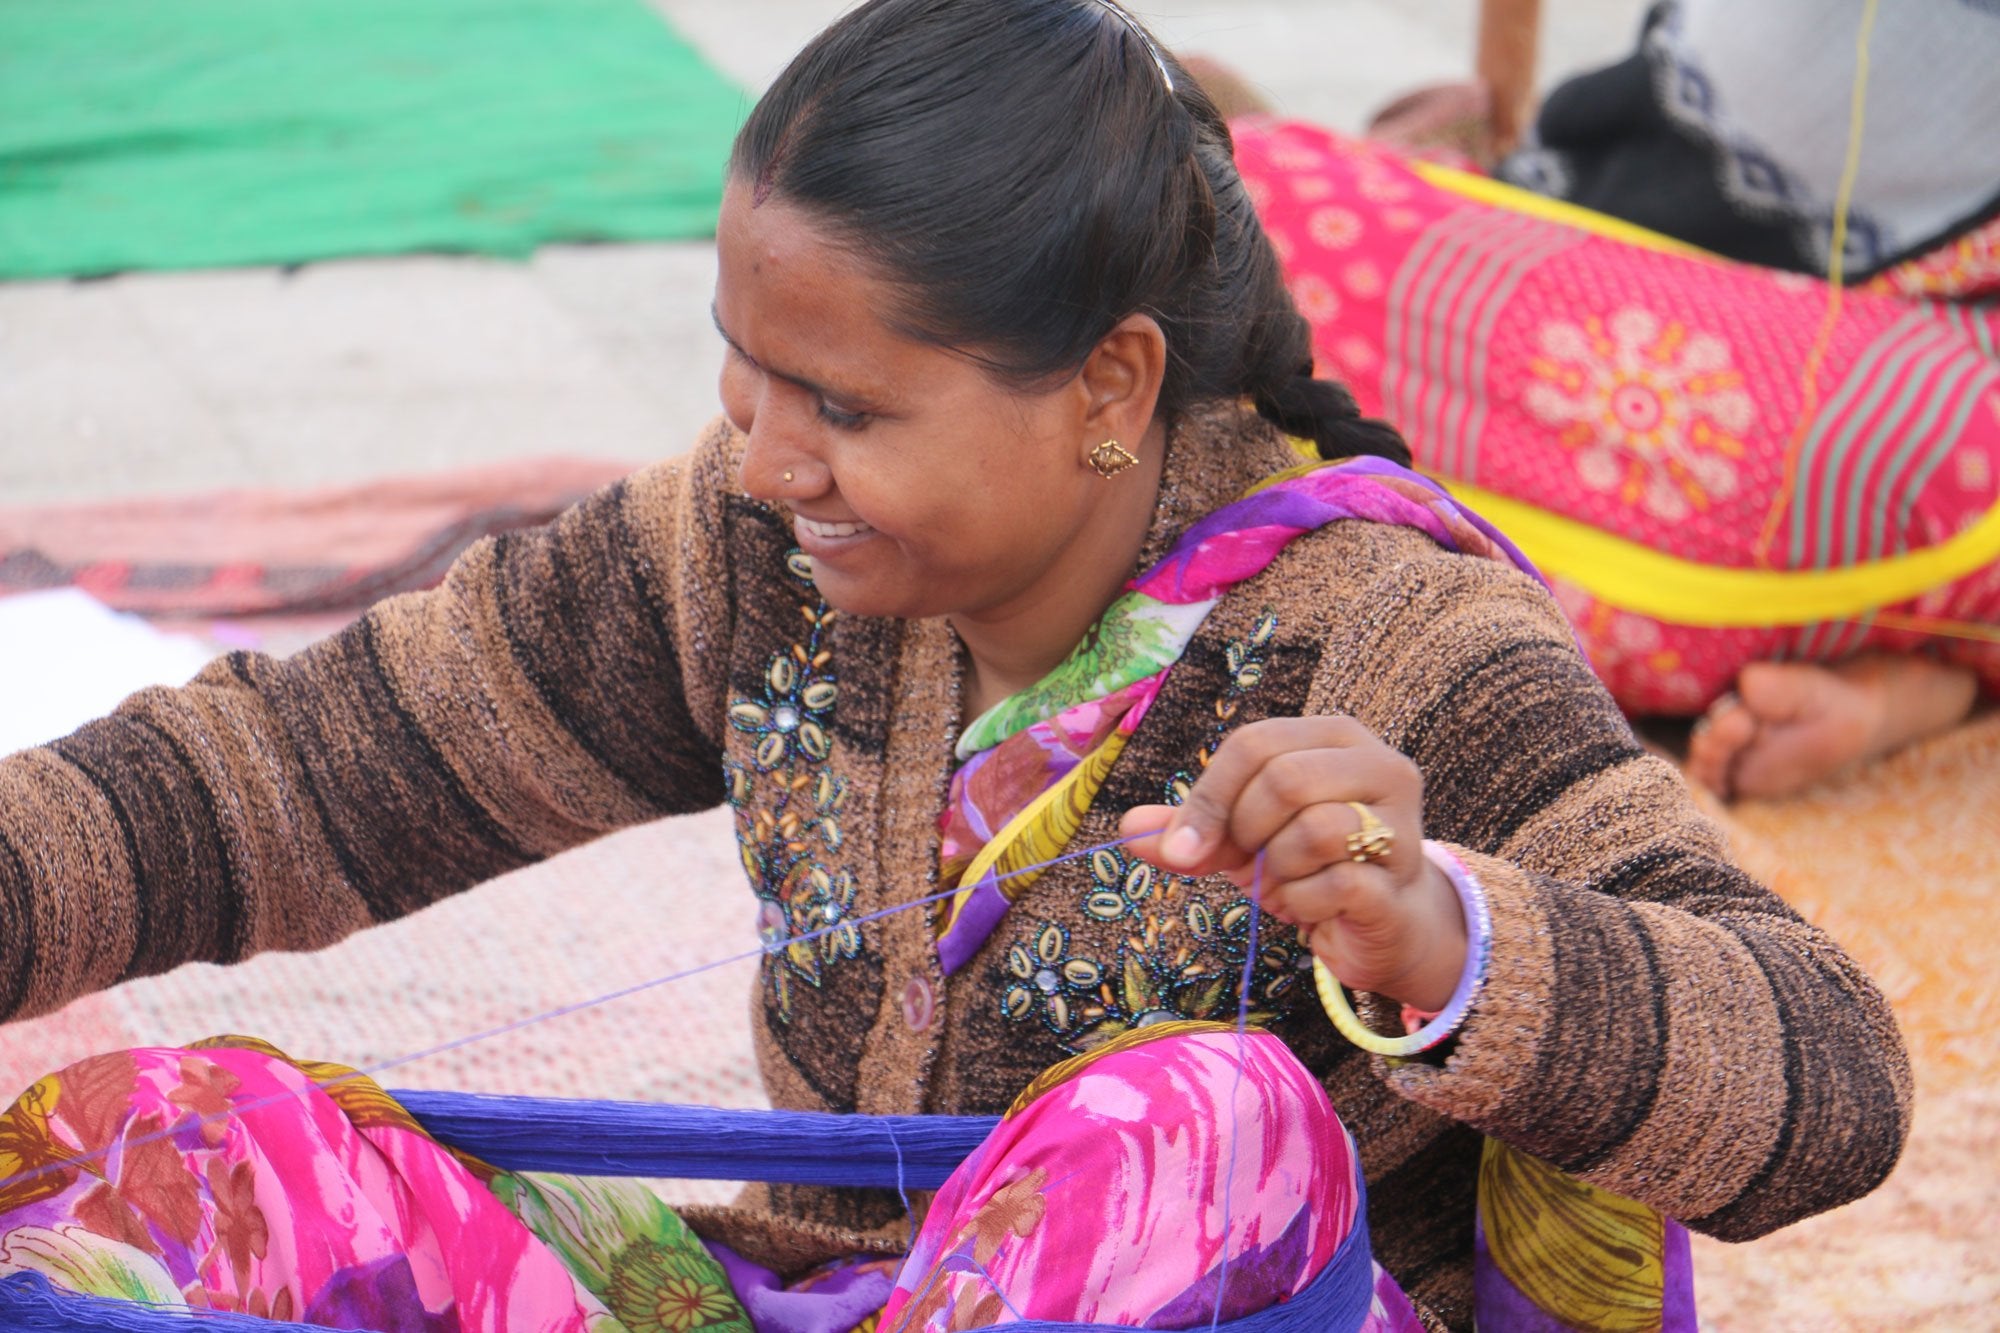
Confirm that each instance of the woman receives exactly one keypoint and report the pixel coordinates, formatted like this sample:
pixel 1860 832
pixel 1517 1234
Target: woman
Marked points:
pixel 989 560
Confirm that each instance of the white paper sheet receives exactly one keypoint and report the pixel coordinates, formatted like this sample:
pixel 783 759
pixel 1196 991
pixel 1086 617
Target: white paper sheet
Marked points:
pixel 66 658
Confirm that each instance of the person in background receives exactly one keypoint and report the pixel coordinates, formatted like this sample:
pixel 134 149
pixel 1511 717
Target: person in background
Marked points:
pixel 1728 129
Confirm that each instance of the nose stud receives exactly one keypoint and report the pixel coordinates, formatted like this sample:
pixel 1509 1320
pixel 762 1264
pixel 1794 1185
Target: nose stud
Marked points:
pixel 788 474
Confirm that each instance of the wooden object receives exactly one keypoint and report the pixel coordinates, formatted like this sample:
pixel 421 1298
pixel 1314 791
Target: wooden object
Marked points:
pixel 1509 34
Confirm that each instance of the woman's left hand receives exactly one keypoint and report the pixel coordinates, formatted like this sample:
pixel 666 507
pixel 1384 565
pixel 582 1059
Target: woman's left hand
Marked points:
pixel 1391 925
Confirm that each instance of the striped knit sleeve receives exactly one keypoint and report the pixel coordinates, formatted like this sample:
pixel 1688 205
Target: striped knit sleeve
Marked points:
pixel 534 700
pixel 1653 1020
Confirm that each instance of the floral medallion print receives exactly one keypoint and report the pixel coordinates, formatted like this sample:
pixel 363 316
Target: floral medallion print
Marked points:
pixel 1316 298
pixel 1334 228
pixel 628 1249
pixel 1654 413
pixel 788 806
pixel 1656 396
pixel 654 1289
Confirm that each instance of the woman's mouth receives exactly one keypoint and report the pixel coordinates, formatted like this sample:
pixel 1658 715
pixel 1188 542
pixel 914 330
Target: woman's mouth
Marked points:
pixel 816 533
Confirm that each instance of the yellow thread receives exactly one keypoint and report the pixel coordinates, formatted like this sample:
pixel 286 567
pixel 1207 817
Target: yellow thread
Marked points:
pixel 1939 626
pixel 1836 276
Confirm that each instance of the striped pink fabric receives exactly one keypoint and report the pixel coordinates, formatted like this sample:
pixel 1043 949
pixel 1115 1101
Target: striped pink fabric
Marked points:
pixel 1653 396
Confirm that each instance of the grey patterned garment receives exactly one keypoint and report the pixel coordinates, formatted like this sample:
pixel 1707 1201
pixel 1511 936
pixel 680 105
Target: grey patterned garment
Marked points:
pixel 1730 128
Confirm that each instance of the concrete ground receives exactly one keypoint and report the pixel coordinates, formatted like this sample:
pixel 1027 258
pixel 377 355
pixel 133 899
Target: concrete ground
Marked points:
pixel 177 382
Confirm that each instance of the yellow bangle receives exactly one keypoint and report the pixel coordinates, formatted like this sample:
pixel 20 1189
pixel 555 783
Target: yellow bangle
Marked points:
pixel 1479 947
pixel 1333 997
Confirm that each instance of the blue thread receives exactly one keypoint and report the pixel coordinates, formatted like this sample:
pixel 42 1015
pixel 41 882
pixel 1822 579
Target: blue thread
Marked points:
pixel 30 1303
pixel 561 1011
pixel 1236 1083
pixel 902 1187
pixel 1339 1298
pixel 991 1282
pixel 1336 1301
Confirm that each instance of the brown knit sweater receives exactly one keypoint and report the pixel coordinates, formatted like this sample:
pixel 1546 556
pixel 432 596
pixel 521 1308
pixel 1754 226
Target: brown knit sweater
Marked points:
pixel 1653 1020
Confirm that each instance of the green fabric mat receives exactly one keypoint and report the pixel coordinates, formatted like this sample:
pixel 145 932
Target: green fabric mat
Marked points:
pixel 199 133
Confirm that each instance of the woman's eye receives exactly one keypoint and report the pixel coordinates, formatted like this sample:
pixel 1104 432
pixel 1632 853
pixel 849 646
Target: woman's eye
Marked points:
pixel 840 420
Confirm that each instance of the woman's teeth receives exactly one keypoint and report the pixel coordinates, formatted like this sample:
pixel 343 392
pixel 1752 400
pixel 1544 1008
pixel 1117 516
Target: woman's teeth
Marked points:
pixel 829 531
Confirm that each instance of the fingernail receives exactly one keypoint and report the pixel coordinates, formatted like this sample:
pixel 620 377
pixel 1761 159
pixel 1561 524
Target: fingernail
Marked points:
pixel 1183 845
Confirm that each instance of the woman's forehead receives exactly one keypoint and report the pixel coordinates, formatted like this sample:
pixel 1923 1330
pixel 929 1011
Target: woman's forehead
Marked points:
pixel 793 297
pixel 775 257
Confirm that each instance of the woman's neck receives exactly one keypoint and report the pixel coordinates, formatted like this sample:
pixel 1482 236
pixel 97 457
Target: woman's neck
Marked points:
pixel 1011 647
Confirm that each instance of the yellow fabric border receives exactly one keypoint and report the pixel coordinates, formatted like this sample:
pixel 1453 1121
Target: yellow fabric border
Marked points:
pixel 1633 577
pixel 1062 1071
pixel 1499 194
pixel 1094 765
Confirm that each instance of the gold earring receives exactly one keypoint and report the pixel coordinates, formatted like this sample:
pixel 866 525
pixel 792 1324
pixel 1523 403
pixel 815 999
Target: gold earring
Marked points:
pixel 1111 458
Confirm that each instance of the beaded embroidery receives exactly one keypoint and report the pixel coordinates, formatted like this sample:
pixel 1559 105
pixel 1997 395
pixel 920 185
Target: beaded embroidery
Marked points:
pixel 1184 951
pixel 788 806
pixel 1245 659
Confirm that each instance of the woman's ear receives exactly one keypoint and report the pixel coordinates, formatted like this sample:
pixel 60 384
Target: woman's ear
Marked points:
pixel 1121 381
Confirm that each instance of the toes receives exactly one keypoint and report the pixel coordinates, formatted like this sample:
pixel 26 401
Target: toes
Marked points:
pixel 1791 724
pixel 1783 691
pixel 1811 724
pixel 1718 738
pixel 1789 757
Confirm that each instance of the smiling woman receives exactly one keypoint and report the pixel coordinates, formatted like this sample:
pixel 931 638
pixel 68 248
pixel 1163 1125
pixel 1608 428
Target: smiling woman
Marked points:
pixel 1029 577
pixel 918 483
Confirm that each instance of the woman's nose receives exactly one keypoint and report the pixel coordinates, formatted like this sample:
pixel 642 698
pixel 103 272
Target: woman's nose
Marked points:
pixel 778 464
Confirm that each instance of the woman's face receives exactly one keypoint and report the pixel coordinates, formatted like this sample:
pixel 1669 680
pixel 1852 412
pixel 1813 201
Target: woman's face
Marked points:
pixel 920 486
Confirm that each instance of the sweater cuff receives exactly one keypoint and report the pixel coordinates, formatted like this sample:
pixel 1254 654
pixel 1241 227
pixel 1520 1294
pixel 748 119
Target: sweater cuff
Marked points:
pixel 1490 1058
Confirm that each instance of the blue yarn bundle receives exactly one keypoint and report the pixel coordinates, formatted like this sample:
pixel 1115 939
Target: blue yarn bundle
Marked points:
pixel 1335 1301
pixel 593 1138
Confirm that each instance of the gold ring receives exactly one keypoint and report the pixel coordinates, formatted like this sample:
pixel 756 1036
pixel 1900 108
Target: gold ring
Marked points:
pixel 1373 840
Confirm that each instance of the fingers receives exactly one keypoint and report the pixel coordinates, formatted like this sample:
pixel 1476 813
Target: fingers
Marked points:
pixel 1299 806
pixel 1331 892
pixel 1213 830
pixel 1323 835
pixel 1145 823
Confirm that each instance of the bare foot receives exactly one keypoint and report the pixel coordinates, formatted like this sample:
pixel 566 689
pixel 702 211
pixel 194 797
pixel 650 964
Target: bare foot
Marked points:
pixel 1790 724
